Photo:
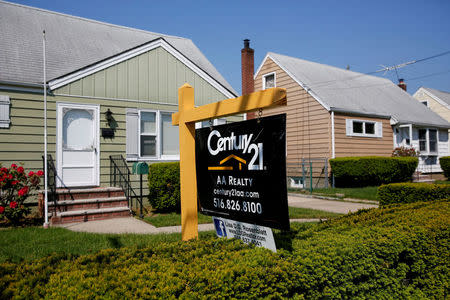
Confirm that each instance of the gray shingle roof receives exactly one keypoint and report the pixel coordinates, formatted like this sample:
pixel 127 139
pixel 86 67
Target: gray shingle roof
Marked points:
pixel 352 92
pixel 444 96
pixel 72 44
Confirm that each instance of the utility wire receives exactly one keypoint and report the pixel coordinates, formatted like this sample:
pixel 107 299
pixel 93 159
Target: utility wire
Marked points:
pixel 384 69
pixel 389 83
pixel 429 75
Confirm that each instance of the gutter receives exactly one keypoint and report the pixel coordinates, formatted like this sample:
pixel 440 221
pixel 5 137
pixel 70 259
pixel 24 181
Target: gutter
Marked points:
pixel 359 113
pixel 424 125
pixel 22 87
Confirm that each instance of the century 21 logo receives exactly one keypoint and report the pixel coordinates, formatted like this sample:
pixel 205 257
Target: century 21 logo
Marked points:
pixel 217 144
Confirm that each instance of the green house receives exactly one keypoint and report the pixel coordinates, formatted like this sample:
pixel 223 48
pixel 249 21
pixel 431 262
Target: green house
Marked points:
pixel 111 91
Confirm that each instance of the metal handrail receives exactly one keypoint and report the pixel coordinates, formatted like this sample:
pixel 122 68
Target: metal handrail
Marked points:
pixel 51 180
pixel 120 176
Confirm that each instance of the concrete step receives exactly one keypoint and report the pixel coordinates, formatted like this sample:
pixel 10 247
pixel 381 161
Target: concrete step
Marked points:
pixel 77 216
pixel 88 193
pixel 93 203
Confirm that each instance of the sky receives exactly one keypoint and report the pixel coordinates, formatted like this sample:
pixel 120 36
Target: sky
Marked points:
pixel 364 35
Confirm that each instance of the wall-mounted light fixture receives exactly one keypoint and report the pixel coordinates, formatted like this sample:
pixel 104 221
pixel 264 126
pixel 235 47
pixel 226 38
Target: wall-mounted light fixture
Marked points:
pixel 112 124
pixel 108 116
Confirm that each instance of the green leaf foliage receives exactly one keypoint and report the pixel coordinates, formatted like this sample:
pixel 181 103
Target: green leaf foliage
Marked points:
pixel 412 192
pixel 445 165
pixel 164 186
pixel 372 170
pixel 398 252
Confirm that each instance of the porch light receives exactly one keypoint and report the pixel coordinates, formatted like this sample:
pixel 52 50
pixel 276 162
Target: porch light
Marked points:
pixel 109 117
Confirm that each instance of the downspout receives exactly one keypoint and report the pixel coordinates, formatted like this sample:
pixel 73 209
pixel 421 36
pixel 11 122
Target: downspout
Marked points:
pixel 333 149
pixel 410 135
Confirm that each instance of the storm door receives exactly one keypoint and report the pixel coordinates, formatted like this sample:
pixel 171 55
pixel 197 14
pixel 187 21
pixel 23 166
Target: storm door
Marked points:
pixel 78 145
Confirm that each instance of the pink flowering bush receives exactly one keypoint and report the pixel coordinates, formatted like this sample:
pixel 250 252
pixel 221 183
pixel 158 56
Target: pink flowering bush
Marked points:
pixel 15 187
pixel 404 152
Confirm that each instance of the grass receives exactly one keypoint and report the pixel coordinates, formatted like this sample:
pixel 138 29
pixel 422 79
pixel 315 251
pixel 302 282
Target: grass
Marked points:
pixel 174 219
pixel 366 193
pixel 35 242
pixel 442 182
pixel 307 213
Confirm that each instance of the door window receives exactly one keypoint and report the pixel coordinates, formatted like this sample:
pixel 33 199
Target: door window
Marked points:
pixel 78 133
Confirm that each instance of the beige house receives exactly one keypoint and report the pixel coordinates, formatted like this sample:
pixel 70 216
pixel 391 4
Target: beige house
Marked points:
pixel 333 112
pixel 437 101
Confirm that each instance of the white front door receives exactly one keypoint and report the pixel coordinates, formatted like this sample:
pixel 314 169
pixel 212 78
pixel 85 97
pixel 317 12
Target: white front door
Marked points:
pixel 78 144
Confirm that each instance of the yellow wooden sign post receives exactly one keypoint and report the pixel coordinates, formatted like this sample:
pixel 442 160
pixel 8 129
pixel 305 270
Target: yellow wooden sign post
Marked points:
pixel 186 117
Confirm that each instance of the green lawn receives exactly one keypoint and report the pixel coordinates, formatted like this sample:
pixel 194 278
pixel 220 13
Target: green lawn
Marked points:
pixel 174 219
pixel 34 242
pixel 366 193
pixel 306 213
pixel 442 182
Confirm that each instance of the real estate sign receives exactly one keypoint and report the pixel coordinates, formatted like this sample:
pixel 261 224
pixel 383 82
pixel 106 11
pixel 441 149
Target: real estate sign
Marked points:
pixel 259 236
pixel 241 171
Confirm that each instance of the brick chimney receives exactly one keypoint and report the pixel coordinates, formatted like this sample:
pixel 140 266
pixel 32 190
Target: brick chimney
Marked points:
pixel 401 84
pixel 247 69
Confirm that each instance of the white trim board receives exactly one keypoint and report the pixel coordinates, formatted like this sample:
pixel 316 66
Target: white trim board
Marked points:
pixel 307 89
pixel 421 89
pixel 160 42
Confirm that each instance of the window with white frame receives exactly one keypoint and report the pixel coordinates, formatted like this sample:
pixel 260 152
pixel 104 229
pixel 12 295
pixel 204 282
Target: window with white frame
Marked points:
pixel 151 135
pixel 428 140
pixel 214 122
pixel 269 80
pixel 363 128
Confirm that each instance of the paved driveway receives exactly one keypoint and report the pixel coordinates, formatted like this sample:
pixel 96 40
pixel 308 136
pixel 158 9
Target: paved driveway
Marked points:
pixel 342 207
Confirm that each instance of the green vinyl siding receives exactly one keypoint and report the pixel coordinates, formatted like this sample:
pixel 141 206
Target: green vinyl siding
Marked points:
pixel 153 76
pixel 23 141
pixel 140 82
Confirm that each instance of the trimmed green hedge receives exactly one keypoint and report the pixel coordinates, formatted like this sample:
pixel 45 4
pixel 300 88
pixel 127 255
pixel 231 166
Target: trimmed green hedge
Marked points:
pixel 445 165
pixel 412 192
pixel 372 170
pixel 164 186
pixel 397 252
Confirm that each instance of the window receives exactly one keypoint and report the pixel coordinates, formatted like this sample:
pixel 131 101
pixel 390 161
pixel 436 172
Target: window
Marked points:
pixel 269 80
pixel 428 140
pixel 4 111
pixel 425 103
pixel 148 134
pixel 363 128
pixel 422 140
pixel 214 122
pixel 151 135
pixel 432 136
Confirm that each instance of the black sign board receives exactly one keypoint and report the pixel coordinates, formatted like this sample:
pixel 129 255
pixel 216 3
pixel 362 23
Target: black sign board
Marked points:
pixel 241 171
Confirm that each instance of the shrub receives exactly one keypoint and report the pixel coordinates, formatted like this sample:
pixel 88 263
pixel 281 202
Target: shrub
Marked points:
pixel 412 192
pixel 372 170
pixel 405 152
pixel 445 165
pixel 164 186
pixel 391 253
pixel 15 187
